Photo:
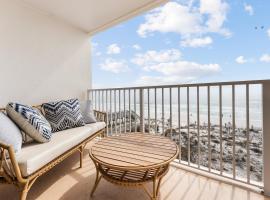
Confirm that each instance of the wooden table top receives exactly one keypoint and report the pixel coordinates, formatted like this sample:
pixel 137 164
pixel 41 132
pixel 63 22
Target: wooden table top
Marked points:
pixel 134 151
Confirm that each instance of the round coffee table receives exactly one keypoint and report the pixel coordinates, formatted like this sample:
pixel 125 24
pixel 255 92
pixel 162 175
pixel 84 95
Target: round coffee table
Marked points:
pixel 133 159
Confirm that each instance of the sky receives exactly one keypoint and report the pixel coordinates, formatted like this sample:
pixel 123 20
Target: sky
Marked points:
pixel 186 41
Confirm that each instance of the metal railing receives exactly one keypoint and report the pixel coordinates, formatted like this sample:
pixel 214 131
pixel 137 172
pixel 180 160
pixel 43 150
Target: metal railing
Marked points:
pixel 218 126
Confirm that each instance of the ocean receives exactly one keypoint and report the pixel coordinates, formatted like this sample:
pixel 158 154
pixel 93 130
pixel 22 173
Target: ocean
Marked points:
pixel 255 113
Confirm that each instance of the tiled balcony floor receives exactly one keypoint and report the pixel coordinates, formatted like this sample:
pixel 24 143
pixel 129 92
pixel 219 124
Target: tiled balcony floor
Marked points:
pixel 67 182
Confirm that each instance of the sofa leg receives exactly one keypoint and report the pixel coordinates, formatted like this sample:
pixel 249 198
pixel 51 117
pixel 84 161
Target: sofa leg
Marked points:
pixel 102 134
pixel 24 192
pixel 81 156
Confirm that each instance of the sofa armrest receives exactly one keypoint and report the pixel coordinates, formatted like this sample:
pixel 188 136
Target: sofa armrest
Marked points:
pixel 100 116
pixel 9 167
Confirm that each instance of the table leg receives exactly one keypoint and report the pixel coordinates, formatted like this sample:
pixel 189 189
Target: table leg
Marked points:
pixel 158 186
pixel 98 178
pixel 154 190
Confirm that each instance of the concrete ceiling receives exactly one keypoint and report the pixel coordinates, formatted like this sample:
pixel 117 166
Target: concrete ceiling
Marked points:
pixel 93 16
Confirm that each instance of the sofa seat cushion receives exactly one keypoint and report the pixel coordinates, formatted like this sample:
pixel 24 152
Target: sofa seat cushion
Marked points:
pixel 33 156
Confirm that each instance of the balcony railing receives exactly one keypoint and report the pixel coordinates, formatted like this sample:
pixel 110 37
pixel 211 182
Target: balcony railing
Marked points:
pixel 222 128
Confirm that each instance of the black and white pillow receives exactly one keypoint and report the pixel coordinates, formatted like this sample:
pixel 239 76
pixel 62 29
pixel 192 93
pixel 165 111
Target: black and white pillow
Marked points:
pixel 31 121
pixel 63 114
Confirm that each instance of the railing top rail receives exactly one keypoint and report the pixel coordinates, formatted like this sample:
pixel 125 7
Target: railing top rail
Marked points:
pixel 187 85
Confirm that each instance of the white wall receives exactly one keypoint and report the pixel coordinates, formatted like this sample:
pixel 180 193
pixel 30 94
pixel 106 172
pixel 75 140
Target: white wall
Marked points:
pixel 41 58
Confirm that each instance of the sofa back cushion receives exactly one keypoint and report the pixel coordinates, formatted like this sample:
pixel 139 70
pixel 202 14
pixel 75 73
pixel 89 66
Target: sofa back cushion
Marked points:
pixel 10 134
pixel 87 112
pixel 31 121
pixel 63 114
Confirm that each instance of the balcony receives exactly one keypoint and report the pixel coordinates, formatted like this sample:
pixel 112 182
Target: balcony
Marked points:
pixel 218 126
pixel 222 129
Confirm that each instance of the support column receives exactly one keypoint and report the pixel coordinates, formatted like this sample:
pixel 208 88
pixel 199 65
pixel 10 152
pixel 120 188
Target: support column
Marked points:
pixel 266 136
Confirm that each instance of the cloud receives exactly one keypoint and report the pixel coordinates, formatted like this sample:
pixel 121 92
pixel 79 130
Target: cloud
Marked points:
pixel 241 60
pixel 249 9
pixel 136 46
pixel 152 57
pixel 168 67
pixel 186 20
pixel 114 66
pixel 113 49
pixel 216 10
pixel 98 53
pixel 265 58
pixel 196 42
pixel 178 72
pixel 162 80
pixel 268 32
pixel 185 69
pixel 172 17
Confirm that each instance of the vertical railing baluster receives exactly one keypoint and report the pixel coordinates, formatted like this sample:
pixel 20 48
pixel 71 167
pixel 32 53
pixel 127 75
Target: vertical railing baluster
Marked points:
pixel 111 118
pixel 120 117
pixel 125 119
pixel 162 110
pixel 99 100
pixel 233 127
pixel 96 100
pixel 102 94
pixel 170 112
pixel 93 99
pixel 220 130
pixel 135 128
pixel 148 107
pixel 188 134
pixel 129 108
pixel 198 126
pixel 156 111
pixel 115 113
pixel 179 124
pixel 247 133
pixel 209 129
pixel 107 118
pixel 142 110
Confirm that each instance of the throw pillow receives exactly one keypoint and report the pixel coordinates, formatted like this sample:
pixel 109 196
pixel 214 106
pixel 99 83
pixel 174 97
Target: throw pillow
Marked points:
pixel 63 114
pixel 30 121
pixel 87 112
pixel 10 134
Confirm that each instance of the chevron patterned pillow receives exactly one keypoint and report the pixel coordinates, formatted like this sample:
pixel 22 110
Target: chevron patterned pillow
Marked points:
pixel 63 114
pixel 31 121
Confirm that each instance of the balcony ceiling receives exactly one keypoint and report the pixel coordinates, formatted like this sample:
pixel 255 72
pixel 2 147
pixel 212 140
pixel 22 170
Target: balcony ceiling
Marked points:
pixel 93 15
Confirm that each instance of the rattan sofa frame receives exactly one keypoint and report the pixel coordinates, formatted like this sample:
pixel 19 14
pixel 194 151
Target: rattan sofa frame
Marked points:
pixel 11 174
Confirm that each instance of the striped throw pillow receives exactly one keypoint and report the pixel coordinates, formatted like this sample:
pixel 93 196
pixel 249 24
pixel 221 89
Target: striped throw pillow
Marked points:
pixel 31 121
pixel 63 114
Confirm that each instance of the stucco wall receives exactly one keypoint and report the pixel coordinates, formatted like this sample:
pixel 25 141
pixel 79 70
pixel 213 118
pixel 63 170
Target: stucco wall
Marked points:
pixel 41 58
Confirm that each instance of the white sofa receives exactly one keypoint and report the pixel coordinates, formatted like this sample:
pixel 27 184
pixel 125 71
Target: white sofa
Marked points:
pixel 35 159
pixel 33 156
